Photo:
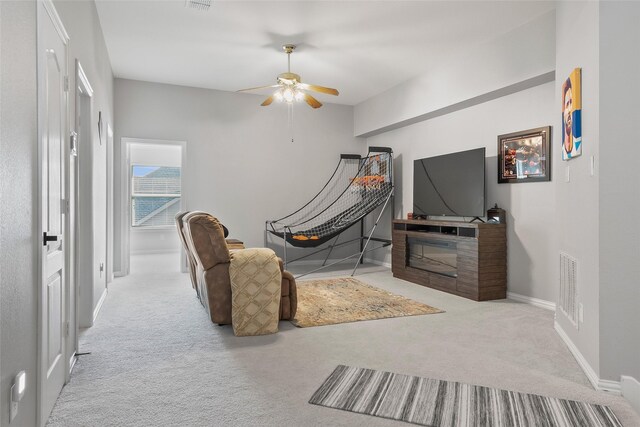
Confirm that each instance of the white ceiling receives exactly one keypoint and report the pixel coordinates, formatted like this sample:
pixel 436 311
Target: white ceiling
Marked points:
pixel 362 48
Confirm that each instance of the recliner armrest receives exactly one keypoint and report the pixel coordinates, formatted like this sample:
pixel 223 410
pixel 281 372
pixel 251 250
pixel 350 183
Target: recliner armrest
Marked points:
pixel 235 244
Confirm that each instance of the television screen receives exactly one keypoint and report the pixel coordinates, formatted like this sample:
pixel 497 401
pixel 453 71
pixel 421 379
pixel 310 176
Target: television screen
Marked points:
pixel 450 185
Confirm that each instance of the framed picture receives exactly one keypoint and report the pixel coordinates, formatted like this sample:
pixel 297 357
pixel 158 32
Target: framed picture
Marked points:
pixel 572 115
pixel 524 156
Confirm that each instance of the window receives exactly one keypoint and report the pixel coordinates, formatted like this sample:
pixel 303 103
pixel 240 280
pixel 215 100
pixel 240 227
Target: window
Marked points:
pixel 155 195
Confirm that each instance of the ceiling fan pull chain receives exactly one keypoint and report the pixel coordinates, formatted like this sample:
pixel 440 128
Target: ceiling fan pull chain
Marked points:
pixel 290 119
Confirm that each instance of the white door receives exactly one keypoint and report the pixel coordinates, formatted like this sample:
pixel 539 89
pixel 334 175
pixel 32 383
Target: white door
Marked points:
pixel 52 118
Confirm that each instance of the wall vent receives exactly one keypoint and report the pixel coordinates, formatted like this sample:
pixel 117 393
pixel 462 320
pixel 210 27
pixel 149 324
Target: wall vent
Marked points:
pixel 569 287
pixel 198 4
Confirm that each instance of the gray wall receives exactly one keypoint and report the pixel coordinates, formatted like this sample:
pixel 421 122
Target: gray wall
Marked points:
pixel 577 201
pixel 600 209
pixel 241 163
pixel 532 246
pixel 18 183
pixel 619 190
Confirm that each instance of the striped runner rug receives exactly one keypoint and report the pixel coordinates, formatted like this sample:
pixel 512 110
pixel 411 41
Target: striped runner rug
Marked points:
pixel 440 403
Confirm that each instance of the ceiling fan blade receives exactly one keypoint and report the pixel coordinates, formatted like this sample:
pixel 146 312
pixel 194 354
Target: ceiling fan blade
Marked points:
pixel 320 89
pixel 312 101
pixel 267 101
pixel 256 88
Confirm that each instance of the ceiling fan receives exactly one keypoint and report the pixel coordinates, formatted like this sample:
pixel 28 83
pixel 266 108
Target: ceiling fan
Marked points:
pixel 290 87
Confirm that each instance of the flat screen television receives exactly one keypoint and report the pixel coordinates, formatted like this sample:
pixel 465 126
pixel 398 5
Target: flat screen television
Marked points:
pixel 450 185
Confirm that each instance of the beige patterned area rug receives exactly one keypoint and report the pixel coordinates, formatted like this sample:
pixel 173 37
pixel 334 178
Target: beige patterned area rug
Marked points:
pixel 345 299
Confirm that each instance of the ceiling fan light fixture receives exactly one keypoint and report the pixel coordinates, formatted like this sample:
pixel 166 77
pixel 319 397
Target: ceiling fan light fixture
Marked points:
pixel 289 95
pixel 290 87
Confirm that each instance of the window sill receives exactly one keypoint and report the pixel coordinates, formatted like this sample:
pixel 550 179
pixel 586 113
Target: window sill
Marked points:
pixel 150 229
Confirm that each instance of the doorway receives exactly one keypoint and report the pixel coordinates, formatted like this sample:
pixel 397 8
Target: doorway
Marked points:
pixel 155 181
pixel 89 206
pixel 79 210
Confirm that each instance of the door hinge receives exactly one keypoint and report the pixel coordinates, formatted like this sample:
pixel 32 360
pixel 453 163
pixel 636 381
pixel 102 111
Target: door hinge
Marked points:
pixel 73 143
pixel 66 329
pixel 66 83
pixel 64 206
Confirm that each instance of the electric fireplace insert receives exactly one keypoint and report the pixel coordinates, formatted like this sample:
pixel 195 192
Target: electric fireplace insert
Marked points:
pixel 433 255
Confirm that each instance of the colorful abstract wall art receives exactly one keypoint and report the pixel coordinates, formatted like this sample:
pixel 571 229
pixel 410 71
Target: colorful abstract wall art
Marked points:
pixel 572 115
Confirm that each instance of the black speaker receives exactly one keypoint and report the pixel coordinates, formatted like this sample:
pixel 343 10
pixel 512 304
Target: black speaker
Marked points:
pixel 496 215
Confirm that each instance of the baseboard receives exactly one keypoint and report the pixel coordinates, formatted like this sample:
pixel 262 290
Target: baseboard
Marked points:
pixel 377 262
pixel 609 386
pixel 72 362
pixel 631 391
pixel 99 305
pixel 118 274
pixel 586 368
pixel 596 382
pixel 547 305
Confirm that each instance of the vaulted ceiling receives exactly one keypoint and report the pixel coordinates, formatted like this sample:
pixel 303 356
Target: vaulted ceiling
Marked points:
pixel 362 48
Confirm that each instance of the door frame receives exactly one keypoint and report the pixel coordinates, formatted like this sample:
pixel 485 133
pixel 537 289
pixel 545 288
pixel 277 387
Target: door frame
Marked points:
pixel 125 191
pixel 110 212
pixel 82 88
pixel 50 10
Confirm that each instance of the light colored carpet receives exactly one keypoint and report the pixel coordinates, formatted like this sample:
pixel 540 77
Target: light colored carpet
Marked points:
pixel 157 360
pixel 436 403
pixel 346 299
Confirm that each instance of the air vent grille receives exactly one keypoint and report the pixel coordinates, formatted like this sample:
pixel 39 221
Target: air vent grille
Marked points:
pixel 569 287
pixel 198 4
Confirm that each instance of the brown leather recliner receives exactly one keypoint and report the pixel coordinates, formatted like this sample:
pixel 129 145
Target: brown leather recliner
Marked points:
pixel 180 220
pixel 204 236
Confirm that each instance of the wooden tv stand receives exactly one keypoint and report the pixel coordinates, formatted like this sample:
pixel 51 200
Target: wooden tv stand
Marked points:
pixel 468 259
